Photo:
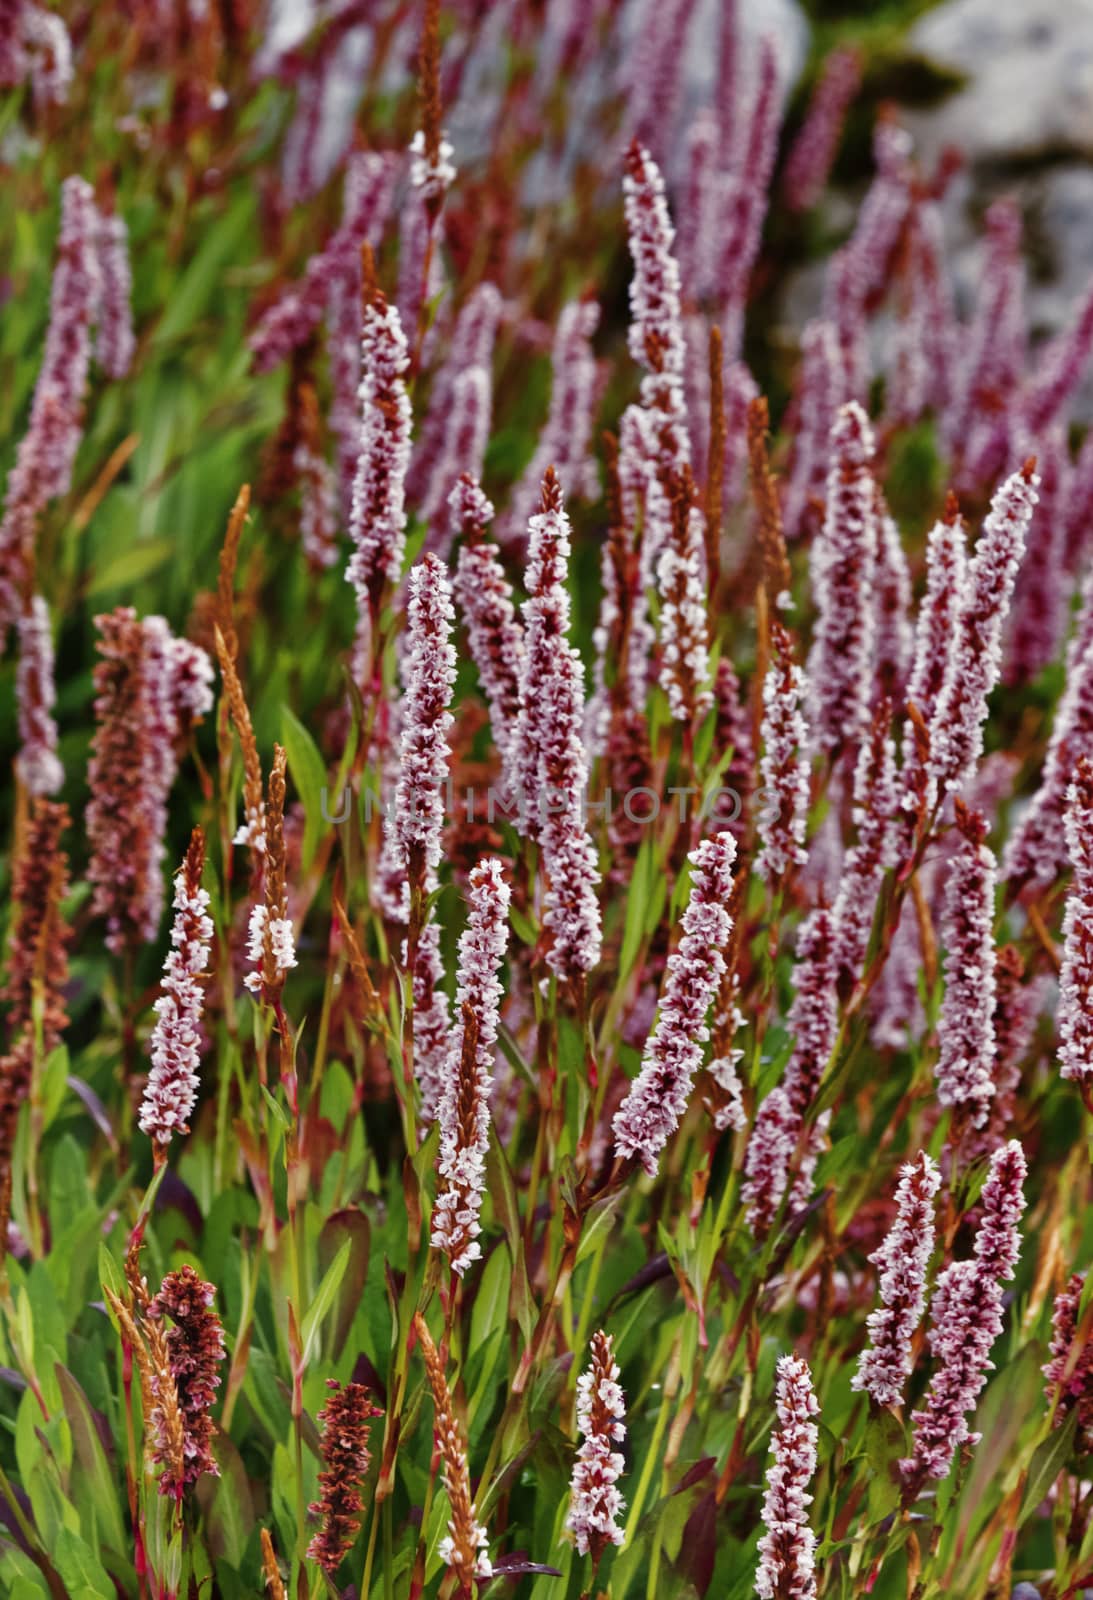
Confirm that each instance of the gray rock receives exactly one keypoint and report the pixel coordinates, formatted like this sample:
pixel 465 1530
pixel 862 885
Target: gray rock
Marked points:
pixel 1025 1591
pixel 1030 78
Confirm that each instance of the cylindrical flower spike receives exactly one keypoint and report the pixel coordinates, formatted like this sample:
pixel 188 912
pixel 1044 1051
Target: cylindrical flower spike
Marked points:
pixel 464 1548
pixel 291 321
pixel 810 159
pixel 149 686
pixel 1036 849
pixel 784 768
pixel 821 387
pixel 464 1114
pixel 866 862
pixel 175 1046
pixel 966 1317
pixel 114 343
pixel 37 954
pixel 464 449
pixel 377 523
pixel 787 1566
pixel 903 1260
pixel 843 575
pixel 658 1097
pixel 1069 1373
pixel 893 637
pixel 682 582
pixel 956 728
pixel 1076 977
pixel 195 1348
pixel 564 441
pixel 814 1023
pixel 424 755
pixel 344 1449
pixel 37 765
pixel 965 1066
pixel 1042 589
pixel 595 1502
pixel 549 758
pixel 471 345
pixel 271 943
pixel 935 636
pixel 494 634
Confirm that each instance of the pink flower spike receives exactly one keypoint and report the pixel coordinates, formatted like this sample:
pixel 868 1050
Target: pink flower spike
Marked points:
pixel 843 575
pixel 494 634
pixel 784 768
pixel 1042 589
pixel 37 765
pixel 595 1503
pixel 903 1260
pixel 966 1313
pixel 1076 977
pixel 821 389
pixel 175 1046
pixel 865 864
pixel 378 521
pixel 787 1565
pixel 965 1066
pixel 564 441
pixel 812 155
pixel 115 343
pixel 956 728
pixel 548 756
pixel 424 756
pixel 464 1114
pixel 657 1099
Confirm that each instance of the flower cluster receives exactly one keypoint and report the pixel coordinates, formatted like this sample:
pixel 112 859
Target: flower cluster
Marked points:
pixel 148 687
pixel 966 1317
pixel 377 523
pixel 903 1260
pixel 956 728
pixel 115 343
pixel 549 760
pixel 809 161
pixel 844 559
pixel 780 1125
pixel 175 1046
pixel 464 1547
pixel 787 1565
pixel 564 441
pixel 37 765
pixel 965 1065
pixel 37 962
pixel 494 635
pixel 1069 1373
pixel 595 1501
pixel 1076 977
pixel 865 863
pixel 658 1097
pixel 344 1448
pixel 784 766
pixel 418 813
pixel 463 1113
pixel 195 1350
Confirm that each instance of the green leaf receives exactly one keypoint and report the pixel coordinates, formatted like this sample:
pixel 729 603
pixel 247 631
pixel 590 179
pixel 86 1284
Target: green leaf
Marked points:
pixel 93 1479
pixel 84 1576
pixel 324 1299
pixel 352 1228
pixel 130 566
pixel 310 777
pixel 1048 1460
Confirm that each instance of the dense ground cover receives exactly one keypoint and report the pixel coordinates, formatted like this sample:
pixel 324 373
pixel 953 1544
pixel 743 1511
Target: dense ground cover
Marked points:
pixel 559 1064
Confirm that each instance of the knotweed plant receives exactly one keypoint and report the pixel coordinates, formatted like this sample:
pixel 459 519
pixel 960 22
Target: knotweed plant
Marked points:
pixel 568 532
